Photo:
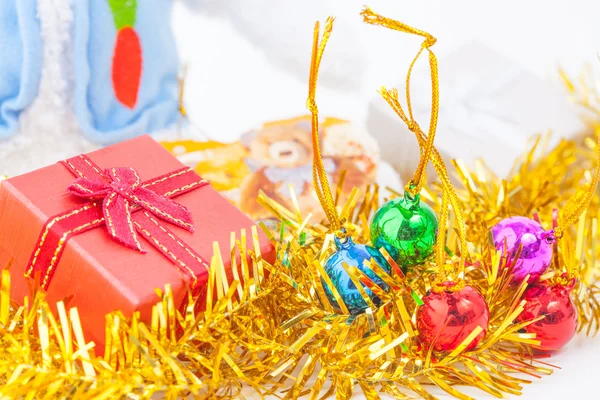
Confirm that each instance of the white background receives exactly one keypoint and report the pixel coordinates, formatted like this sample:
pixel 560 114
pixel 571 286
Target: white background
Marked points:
pixel 233 82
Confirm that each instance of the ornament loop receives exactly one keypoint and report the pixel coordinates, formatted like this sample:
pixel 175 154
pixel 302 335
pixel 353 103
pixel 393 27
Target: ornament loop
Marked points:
pixel 440 286
pixel 567 280
pixel 341 234
pixel 548 236
pixel 343 242
pixel 412 192
pixel 411 199
pixel 558 233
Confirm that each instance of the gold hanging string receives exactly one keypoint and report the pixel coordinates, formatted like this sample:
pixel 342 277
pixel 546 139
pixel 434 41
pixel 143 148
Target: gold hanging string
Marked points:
pixel 320 181
pixel 414 186
pixel 425 142
pixel 443 280
pixel 588 194
pixel 440 240
pixel 391 96
pixel 583 199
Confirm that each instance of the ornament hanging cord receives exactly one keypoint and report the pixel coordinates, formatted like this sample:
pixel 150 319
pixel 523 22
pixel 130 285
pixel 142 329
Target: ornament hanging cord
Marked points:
pixel 415 185
pixel 320 182
pixel 425 142
pixel 588 193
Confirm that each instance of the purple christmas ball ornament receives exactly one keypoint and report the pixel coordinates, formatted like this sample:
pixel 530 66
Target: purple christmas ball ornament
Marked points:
pixel 537 243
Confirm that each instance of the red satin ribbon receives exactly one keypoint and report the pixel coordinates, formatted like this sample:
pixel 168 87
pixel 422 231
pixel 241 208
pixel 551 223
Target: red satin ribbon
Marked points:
pixel 128 208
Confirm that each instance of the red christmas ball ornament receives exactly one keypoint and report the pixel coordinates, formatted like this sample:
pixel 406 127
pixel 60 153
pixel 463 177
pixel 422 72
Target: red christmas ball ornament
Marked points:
pixel 446 319
pixel 559 325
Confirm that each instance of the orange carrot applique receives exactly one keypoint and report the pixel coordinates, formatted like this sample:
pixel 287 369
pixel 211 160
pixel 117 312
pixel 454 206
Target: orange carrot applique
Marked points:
pixel 127 57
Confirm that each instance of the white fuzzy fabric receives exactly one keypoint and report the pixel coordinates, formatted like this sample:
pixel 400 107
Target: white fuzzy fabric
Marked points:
pixel 48 128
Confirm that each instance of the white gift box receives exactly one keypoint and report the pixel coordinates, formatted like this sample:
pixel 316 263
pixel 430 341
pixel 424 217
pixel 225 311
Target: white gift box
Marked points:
pixel 490 106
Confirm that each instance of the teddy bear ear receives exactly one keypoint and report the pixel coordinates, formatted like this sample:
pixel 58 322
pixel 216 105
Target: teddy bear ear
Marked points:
pixel 247 138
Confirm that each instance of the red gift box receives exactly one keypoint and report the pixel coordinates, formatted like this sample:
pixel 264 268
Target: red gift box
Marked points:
pixel 95 267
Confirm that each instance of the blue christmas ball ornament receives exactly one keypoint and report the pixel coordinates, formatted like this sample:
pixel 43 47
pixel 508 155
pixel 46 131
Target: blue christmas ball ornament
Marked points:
pixel 353 255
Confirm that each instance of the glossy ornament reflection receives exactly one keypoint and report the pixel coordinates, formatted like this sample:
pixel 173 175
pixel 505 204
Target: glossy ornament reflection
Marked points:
pixel 446 319
pixel 559 325
pixel 536 251
pixel 407 228
pixel 353 255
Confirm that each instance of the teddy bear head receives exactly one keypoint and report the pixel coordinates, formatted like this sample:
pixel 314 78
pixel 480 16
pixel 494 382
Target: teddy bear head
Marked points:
pixel 281 146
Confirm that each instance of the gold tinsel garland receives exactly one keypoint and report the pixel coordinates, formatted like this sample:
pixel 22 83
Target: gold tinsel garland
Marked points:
pixel 549 186
pixel 279 338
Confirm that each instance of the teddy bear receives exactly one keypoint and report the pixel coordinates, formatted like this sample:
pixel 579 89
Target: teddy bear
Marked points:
pixel 280 153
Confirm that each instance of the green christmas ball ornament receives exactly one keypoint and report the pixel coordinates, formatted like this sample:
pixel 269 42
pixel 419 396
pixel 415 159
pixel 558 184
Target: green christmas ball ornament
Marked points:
pixel 406 228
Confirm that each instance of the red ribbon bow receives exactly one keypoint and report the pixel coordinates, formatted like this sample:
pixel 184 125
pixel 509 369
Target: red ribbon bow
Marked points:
pixel 129 208
pixel 122 193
